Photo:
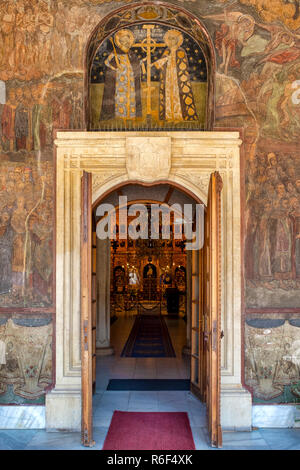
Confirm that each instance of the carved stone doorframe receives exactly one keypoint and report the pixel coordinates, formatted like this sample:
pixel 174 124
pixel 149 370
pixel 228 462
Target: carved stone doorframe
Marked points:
pixel 185 159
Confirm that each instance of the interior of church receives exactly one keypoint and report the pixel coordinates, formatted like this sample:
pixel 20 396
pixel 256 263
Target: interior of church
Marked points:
pixel 148 284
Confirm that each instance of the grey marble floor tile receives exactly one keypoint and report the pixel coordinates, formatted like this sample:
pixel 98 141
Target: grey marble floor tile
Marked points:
pixel 137 395
pixel 143 401
pixel 241 436
pixel 173 406
pixel 99 435
pixel 200 439
pixel 56 441
pixel 197 419
pixel 244 440
pixel 16 439
pixel 281 439
pixel 102 418
pixel 166 396
pixel 140 407
pixel 112 400
pixel 296 447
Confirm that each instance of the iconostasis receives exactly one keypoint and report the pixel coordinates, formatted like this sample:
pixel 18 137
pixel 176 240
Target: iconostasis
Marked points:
pixel 148 271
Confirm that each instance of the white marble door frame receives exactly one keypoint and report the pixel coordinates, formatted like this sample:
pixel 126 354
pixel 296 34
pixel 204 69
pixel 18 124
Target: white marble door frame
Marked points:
pixel 185 159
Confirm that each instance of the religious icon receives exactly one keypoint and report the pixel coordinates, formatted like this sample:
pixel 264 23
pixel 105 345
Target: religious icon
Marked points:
pixel 180 278
pixel 149 271
pixel 122 93
pixel 148 76
pixel 119 278
pixel 133 278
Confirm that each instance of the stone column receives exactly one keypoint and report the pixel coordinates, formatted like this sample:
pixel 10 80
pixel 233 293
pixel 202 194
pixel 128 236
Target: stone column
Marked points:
pixel 63 403
pixel 103 299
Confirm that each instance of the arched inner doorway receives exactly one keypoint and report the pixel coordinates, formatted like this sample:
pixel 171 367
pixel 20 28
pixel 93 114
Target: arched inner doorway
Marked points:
pixel 205 295
pixel 149 275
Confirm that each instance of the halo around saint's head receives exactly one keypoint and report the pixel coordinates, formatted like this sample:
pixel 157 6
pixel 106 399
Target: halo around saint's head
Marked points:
pixel 124 34
pixel 173 34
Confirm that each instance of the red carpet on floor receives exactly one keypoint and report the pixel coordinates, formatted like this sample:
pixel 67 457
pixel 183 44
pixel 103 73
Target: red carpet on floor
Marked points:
pixel 149 431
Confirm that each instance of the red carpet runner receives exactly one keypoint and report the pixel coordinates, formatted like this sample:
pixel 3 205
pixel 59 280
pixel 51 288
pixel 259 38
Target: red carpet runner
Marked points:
pixel 149 431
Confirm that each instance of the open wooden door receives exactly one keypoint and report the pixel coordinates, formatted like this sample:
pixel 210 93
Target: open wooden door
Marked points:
pixel 197 375
pixel 94 304
pixel 206 313
pixel 212 307
pixel 86 311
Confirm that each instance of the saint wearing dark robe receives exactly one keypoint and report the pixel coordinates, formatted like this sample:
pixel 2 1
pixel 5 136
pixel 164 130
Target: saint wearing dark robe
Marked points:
pixel 21 126
pixel 122 87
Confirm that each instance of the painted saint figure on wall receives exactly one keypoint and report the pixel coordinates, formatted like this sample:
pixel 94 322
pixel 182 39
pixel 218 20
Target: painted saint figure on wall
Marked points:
pixel 176 100
pixel 122 89
pixel 6 236
pixel 148 76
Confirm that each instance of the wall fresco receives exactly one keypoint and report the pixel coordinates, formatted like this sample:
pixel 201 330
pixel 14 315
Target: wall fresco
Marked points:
pixel 25 359
pixel 42 57
pixel 272 256
pixel 258 65
pixel 26 214
pixel 29 118
pixel 148 76
pixel 286 11
pixel 272 364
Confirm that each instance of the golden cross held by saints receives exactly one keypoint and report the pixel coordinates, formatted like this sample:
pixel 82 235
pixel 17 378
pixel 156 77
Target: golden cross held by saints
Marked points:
pixel 149 45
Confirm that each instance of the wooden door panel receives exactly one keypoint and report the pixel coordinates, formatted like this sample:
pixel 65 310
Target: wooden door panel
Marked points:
pixel 213 308
pixel 195 359
pixel 94 304
pixel 86 310
pixel 205 324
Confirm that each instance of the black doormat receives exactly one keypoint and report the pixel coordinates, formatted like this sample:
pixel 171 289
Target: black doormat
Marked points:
pixel 149 385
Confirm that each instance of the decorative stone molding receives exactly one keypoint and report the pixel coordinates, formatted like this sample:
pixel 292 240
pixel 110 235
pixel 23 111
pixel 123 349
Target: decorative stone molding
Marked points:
pixel 115 158
pixel 148 158
pixel 202 181
pixel 100 178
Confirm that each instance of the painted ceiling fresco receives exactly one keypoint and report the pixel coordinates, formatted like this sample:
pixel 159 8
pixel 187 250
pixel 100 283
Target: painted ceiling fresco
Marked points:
pixel 42 57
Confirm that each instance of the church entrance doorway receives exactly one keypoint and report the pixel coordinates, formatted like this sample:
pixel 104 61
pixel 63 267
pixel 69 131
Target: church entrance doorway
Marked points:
pixel 150 297
pixel 182 159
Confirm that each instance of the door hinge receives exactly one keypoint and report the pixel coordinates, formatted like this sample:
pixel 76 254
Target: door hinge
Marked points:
pixel 222 334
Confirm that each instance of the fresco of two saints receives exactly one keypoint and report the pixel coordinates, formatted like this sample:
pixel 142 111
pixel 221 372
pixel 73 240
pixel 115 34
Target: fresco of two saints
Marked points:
pixel 148 76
